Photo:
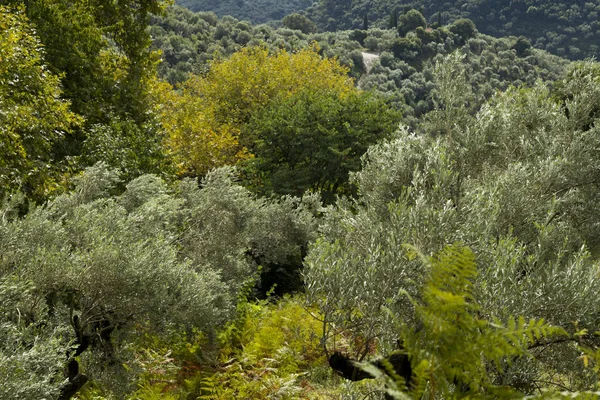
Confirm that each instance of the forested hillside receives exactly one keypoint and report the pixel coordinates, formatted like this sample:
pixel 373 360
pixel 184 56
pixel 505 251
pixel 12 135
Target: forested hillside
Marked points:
pixel 402 73
pixel 256 11
pixel 565 28
pixel 197 207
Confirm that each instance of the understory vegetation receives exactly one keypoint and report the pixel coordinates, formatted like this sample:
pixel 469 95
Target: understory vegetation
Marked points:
pixel 195 207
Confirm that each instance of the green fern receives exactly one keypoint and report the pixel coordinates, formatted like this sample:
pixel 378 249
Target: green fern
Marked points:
pixel 455 345
pixel 210 388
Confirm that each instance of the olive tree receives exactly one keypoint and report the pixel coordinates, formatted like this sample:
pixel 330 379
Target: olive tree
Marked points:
pixel 518 185
pixel 103 266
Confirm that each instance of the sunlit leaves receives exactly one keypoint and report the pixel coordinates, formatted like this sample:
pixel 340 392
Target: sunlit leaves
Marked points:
pixel 518 184
pixel 205 120
pixel 33 117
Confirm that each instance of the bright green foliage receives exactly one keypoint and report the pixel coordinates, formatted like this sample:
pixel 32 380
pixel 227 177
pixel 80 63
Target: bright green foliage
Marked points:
pixel 313 139
pixel 255 100
pixel 517 184
pixel 101 49
pixel 34 118
pixel 101 52
pixel 267 351
pixel 454 347
pixel 270 350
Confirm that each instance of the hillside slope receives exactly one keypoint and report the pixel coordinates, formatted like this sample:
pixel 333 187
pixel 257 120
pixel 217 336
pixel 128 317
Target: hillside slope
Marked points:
pixel 402 72
pixel 256 11
pixel 566 28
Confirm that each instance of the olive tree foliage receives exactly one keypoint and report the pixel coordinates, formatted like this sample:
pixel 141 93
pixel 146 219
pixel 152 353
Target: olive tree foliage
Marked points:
pixel 452 96
pixel 100 266
pixel 31 357
pixel 519 185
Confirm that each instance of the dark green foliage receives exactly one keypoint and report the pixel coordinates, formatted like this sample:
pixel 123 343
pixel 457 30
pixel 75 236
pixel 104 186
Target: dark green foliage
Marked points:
pixel 522 46
pixel 393 19
pixel 257 11
pixel 299 22
pixel 404 69
pixel 359 36
pixel 312 140
pixel 189 42
pixel 565 28
pixel 464 29
pixel 410 21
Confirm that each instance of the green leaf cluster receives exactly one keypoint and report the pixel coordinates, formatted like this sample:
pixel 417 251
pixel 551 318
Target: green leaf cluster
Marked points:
pixel 33 118
pixel 453 346
pixel 313 139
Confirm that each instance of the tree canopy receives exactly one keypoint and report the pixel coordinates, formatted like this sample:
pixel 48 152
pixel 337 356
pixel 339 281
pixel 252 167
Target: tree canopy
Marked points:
pixel 218 117
pixel 251 211
pixel 34 118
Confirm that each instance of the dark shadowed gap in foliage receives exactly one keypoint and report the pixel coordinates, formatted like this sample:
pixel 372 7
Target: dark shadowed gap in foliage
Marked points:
pixel 280 279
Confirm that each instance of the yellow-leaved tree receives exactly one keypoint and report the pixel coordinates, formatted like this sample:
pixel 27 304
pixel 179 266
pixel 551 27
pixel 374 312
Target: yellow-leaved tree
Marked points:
pixel 204 120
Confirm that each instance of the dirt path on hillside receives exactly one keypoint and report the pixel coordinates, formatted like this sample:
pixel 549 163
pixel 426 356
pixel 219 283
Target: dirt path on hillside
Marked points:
pixel 368 59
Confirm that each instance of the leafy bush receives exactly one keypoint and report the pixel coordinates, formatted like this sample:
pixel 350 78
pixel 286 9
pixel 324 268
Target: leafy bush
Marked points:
pixel 31 356
pixel 109 266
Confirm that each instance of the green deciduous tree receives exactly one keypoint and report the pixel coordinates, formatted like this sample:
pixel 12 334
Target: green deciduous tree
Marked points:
pixel 205 121
pixel 102 51
pixel 464 28
pixel 299 22
pixel 410 21
pixel 313 139
pixel 34 119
